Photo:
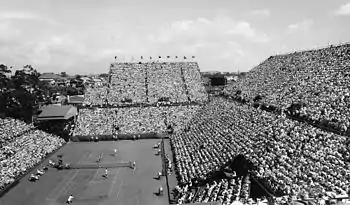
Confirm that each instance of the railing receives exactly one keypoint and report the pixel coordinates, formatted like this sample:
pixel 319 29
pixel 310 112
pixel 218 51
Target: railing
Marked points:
pixel 165 169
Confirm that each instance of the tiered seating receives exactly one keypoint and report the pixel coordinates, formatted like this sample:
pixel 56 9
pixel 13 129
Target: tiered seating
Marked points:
pixel 11 128
pixel 194 82
pixel 226 191
pixel 316 79
pixel 94 122
pixel 25 152
pixel 292 158
pixel 133 120
pixel 127 82
pixel 164 80
pixel 150 82
pixel 95 96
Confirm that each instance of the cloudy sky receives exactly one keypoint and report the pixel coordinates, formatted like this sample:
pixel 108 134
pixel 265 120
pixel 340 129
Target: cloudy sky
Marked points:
pixel 83 36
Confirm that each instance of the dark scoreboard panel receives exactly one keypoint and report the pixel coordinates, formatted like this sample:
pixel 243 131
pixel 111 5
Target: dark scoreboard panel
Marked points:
pixel 218 80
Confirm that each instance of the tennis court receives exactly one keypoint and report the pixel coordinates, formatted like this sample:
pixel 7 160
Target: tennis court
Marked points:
pixel 124 185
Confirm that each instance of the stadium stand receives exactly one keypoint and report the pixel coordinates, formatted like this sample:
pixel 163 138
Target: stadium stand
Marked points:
pixel 95 96
pixel 11 129
pixel 311 84
pixel 145 97
pixel 127 82
pixel 151 82
pixel 22 147
pixel 290 158
pixel 133 120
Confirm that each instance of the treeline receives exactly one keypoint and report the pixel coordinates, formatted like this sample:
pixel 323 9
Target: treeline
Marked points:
pixel 22 93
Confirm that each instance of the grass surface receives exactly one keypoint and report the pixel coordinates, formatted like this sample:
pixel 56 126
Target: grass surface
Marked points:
pixel 124 186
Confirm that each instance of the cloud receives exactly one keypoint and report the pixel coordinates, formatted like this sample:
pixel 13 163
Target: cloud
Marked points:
pixel 344 10
pixel 203 29
pixel 261 12
pixel 8 31
pixel 25 16
pixel 17 15
pixel 63 47
pixel 304 25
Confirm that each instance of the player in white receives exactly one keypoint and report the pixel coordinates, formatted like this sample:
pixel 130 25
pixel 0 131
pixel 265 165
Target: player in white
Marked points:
pixel 105 174
pixel 160 190
pixel 115 152
pixel 70 199
pixel 134 165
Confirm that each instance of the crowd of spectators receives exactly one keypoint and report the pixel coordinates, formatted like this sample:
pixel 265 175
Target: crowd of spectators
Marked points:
pixel 98 121
pixel 195 83
pixel 18 155
pixel 128 81
pixel 291 158
pixel 11 128
pixel 317 81
pixel 149 83
pixel 225 191
pixel 95 96
pixel 133 120
pixel 165 80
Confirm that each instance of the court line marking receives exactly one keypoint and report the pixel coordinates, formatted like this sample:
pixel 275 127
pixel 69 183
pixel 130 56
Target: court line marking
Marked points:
pixel 93 180
pixel 66 182
pixel 85 156
pixel 64 189
pixel 113 183
pixel 120 187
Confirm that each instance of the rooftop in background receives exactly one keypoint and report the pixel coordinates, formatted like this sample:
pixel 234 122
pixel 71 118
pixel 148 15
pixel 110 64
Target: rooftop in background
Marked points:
pixel 76 99
pixel 51 76
pixel 57 112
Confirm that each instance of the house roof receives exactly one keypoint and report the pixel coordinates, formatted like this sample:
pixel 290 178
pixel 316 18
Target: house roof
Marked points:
pixel 76 99
pixel 209 203
pixel 56 112
pixel 51 76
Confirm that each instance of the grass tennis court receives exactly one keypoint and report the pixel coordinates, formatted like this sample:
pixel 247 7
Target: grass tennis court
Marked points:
pixel 124 185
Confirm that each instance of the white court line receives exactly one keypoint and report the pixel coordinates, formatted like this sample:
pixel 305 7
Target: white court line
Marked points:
pixel 63 190
pixel 113 183
pixel 85 156
pixel 66 182
pixel 120 187
pixel 95 175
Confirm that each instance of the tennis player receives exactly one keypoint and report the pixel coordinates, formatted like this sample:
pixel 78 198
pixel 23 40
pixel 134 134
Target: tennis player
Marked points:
pixel 160 190
pixel 70 199
pixel 106 173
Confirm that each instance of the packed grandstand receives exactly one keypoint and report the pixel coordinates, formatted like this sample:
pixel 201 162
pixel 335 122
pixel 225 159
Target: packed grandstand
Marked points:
pixel 289 159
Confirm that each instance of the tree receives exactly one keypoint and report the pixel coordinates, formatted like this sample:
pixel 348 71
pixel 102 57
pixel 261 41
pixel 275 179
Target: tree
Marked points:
pixel 24 93
pixel 104 75
pixel 4 80
pixel 63 74
pixel 4 86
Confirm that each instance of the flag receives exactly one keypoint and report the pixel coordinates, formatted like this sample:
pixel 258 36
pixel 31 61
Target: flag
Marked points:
pixel 141 57
pixel 115 57
pixel 185 57
pixel 150 57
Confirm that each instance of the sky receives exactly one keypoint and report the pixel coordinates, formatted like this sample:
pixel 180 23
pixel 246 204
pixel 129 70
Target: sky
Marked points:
pixel 83 36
